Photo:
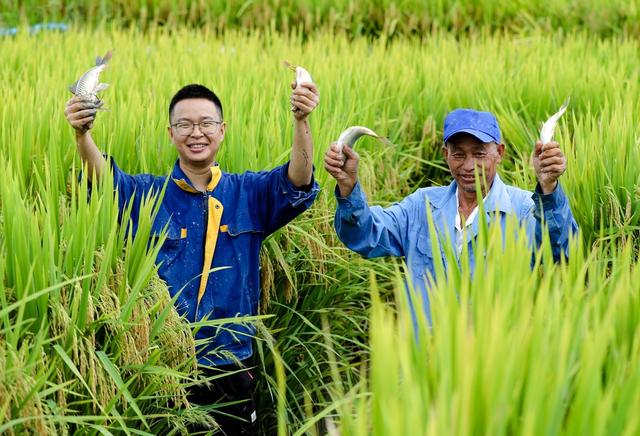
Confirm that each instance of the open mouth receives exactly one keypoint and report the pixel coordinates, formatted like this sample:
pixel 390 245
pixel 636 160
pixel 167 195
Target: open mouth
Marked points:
pixel 197 147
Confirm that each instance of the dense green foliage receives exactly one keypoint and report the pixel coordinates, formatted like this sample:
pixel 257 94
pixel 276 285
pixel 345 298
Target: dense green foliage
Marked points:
pixel 374 17
pixel 87 335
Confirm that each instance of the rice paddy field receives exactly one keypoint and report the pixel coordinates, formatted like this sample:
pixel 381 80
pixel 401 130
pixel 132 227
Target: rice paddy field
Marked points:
pixel 89 340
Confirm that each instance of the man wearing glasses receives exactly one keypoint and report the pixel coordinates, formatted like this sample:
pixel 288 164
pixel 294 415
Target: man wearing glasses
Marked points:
pixel 215 224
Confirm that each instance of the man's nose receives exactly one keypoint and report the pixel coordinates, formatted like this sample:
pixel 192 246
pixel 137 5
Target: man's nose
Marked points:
pixel 469 164
pixel 193 132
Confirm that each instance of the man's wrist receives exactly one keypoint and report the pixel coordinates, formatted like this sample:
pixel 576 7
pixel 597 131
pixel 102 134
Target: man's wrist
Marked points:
pixel 80 134
pixel 346 188
pixel 548 188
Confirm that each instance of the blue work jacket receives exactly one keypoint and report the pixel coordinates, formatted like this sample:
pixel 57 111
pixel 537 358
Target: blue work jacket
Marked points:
pixel 212 251
pixel 402 229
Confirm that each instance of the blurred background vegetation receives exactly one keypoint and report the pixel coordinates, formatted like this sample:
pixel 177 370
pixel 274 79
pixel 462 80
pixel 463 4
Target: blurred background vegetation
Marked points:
pixel 88 339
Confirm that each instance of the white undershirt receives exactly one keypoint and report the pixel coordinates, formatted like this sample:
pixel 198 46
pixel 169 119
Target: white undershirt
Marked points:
pixel 460 232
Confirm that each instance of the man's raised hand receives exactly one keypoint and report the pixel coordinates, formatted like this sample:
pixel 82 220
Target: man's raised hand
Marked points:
pixel 81 114
pixel 343 167
pixel 304 99
pixel 549 163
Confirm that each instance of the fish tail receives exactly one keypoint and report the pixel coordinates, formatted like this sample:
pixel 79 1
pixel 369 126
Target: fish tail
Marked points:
pixel 386 141
pixel 103 60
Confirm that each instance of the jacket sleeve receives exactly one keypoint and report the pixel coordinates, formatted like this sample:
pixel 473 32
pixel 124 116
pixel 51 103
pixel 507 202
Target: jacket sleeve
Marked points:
pixel 371 231
pixel 554 211
pixel 129 187
pixel 131 190
pixel 278 201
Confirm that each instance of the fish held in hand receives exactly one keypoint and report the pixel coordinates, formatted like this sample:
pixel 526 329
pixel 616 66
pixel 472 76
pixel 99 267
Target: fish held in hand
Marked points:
pixel 549 126
pixel 302 76
pixel 88 85
pixel 353 133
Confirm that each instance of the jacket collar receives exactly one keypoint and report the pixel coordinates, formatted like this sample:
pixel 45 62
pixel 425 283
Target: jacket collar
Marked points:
pixel 182 181
pixel 497 198
pixel 446 207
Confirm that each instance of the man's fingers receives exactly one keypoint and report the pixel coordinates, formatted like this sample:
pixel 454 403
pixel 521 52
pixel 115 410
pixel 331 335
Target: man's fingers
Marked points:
pixel 83 122
pixel 331 166
pixel 80 106
pixel 553 160
pixel 333 153
pixel 84 118
pixel 72 108
pixel 336 172
pixel 334 161
pixel 554 152
pixel 78 119
pixel 309 86
pixel 76 99
pixel 302 108
pixel 556 170
pixel 303 92
pixel 550 146
pixel 84 113
pixel 302 100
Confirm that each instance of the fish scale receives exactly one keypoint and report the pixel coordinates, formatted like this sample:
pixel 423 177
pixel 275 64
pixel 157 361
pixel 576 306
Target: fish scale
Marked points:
pixel 88 85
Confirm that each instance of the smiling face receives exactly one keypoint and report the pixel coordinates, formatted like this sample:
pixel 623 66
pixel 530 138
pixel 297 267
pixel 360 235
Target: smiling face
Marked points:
pixel 464 153
pixel 195 147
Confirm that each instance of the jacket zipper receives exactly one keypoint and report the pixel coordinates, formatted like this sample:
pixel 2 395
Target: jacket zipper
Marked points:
pixel 204 215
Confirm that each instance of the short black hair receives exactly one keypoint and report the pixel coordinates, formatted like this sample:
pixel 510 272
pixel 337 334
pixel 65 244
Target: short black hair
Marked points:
pixel 195 90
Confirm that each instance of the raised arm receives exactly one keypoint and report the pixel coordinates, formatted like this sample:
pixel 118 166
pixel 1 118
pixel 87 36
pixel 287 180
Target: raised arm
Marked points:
pixel 81 114
pixel 369 231
pixel 551 203
pixel 304 99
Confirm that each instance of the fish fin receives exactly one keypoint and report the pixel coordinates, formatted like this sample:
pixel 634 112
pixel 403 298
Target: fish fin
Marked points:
pixel 100 106
pixel 101 87
pixel 73 86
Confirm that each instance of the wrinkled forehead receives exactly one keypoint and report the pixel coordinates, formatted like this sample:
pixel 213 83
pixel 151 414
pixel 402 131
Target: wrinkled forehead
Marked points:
pixel 194 109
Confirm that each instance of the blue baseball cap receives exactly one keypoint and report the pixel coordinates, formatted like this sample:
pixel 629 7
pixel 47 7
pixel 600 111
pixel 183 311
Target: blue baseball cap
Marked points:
pixel 482 125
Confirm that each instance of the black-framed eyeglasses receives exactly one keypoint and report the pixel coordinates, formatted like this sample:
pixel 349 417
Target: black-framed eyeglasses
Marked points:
pixel 207 127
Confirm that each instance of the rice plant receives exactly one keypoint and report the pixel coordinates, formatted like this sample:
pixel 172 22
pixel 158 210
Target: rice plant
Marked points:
pixel 387 18
pixel 511 350
pixel 88 338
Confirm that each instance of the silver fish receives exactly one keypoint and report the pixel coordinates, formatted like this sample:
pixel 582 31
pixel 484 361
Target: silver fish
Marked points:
pixel 351 135
pixel 302 76
pixel 88 85
pixel 549 126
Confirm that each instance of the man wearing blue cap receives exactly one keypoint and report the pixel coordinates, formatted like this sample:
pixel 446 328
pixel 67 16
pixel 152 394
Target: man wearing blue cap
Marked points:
pixel 472 148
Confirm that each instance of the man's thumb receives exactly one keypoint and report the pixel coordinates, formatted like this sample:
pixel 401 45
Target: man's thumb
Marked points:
pixel 538 148
pixel 348 151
